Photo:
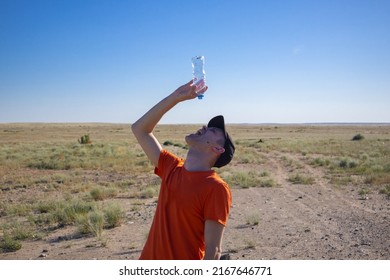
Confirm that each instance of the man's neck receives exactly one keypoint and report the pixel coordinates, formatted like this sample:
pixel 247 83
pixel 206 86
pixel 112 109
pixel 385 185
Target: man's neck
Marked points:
pixel 196 161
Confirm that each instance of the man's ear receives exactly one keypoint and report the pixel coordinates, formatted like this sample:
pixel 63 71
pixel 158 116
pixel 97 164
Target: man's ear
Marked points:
pixel 218 149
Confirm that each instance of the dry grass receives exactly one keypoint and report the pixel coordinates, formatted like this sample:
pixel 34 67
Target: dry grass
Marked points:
pixel 71 182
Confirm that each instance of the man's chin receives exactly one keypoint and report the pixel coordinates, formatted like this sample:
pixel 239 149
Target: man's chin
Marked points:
pixel 188 138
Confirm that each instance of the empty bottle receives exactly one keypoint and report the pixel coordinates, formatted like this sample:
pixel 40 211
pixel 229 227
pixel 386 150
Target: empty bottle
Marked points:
pixel 198 74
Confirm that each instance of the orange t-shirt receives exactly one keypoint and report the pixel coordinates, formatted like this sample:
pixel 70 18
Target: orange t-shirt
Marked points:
pixel 186 201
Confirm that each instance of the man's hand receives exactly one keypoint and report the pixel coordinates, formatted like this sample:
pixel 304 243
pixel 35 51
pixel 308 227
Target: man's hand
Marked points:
pixel 187 92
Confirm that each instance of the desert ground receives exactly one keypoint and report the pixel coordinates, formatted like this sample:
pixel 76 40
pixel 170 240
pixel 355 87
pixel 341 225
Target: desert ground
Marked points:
pixel 299 191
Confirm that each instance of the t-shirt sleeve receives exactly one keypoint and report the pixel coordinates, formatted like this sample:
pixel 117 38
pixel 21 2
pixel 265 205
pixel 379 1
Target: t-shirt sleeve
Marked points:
pixel 217 204
pixel 166 163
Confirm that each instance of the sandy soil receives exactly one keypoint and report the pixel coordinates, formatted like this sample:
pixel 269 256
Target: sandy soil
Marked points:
pixel 290 221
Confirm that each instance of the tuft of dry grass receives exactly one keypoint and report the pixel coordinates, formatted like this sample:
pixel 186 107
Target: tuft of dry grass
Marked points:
pixel 253 218
pixel 249 179
pixel 301 179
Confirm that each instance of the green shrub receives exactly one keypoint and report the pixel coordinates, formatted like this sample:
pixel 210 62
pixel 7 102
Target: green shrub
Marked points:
pixel 46 206
pixel 69 214
pixel 352 164
pixel 9 244
pixel 21 232
pixel 85 139
pixel 348 163
pixel 93 223
pixel 113 216
pixel 358 137
pixel 168 143
pixel 149 192
pixel 250 179
pixel 320 162
pixel 343 163
pixel 267 183
pixel 301 179
pixel 386 191
pixel 102 193
pixel 363 192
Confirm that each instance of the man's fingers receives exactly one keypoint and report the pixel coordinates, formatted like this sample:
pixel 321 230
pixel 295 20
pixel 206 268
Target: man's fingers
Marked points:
pixel 203 90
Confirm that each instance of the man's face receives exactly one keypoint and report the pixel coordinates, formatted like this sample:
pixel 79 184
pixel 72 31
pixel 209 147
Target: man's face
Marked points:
pixel 206 136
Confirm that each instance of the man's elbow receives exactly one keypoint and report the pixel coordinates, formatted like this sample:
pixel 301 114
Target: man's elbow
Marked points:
pixel 136 129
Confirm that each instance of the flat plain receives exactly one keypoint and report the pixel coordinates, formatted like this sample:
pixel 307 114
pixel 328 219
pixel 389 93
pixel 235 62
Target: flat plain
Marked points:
pixel 87 191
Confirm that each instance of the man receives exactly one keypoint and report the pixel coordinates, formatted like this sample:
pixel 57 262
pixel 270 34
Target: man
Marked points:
pixel 194 202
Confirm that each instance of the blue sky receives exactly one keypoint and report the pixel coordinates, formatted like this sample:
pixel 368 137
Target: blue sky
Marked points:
pixel 267 61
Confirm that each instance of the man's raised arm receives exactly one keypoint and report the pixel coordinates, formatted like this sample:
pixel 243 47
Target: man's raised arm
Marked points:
pixel 143 128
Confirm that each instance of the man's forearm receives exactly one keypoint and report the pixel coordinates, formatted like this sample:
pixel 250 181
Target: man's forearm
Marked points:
pixel 213 233
pixel 148 121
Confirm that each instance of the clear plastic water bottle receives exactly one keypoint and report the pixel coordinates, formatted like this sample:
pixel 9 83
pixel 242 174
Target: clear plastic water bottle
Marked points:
pixel 198 74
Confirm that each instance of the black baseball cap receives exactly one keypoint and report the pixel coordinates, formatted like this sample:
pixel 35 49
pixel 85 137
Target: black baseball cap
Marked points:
pixel 227 156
